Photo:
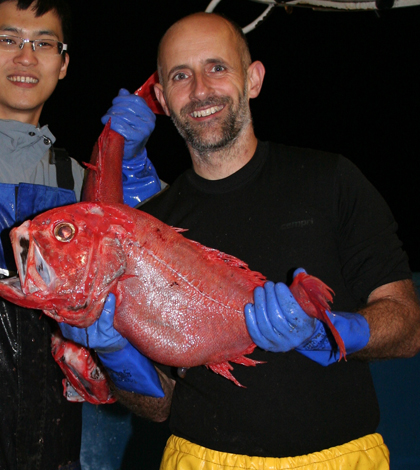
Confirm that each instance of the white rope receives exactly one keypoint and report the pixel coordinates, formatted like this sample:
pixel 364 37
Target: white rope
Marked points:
pixel 213 4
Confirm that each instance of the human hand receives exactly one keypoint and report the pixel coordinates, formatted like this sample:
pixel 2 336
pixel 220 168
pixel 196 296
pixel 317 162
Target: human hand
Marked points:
pixel 275 321
pixel 275 309
pixel 133 119
pixel 127 367
pixel 101 335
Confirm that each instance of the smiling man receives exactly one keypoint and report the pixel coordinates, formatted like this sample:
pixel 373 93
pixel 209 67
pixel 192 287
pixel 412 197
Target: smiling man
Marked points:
pixel 205 86
pixel 39 428
pixel 276 208
pixel 27 78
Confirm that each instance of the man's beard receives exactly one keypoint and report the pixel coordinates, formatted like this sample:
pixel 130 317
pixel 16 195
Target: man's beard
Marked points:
pixel 206 137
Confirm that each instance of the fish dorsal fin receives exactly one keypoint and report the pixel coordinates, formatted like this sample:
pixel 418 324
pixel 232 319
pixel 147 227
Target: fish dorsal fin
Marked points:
pixel 253 278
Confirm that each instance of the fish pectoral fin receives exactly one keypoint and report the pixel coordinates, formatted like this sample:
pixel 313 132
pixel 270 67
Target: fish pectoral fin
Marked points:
pixel 224 368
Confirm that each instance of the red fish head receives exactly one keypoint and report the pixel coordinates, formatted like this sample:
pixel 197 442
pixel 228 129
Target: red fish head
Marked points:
pixel 83 372
pixel 68 259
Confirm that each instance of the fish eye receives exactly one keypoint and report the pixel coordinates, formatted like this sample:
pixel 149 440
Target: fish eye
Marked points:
pixel 64 232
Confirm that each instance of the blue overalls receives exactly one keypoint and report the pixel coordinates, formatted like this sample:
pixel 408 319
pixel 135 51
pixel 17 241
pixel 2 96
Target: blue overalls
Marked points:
pixel 32 404
pixel 39 428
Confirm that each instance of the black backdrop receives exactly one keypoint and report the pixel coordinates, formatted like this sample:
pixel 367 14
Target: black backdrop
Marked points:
pixel 346 82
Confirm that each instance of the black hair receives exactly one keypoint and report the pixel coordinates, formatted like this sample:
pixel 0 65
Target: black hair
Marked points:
pixel 40 7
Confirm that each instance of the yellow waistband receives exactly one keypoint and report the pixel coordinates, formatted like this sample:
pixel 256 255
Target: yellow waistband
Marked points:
pixel 366 453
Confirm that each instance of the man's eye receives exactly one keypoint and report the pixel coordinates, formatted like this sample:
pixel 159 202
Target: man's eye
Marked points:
pixel 179 76
pixel 218 68
pixel 7 41
pixel 45 44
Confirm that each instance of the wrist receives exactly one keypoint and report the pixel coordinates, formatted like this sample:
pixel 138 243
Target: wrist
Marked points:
pixel 140 180
pixel 131 371
pixel 318 341
pixel 115 344
pixel 322 348
pixel 135 160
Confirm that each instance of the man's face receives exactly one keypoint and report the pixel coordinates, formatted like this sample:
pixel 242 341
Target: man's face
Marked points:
pixel 204 83
pixel 27 79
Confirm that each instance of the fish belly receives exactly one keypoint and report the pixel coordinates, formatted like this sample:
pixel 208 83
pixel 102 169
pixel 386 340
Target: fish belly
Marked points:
pixel 181 307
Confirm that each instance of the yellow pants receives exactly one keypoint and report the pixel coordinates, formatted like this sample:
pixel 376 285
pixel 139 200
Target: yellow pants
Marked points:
pixel 366 453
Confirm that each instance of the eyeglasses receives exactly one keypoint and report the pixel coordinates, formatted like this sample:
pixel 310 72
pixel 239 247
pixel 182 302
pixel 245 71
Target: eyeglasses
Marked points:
pixel 39 46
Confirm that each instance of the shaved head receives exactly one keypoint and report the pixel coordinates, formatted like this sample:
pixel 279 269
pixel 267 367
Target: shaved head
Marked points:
pixel 196 21
pixel 206 79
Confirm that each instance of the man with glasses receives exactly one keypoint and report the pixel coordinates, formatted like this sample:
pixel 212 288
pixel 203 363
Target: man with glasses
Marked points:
pixel 39 429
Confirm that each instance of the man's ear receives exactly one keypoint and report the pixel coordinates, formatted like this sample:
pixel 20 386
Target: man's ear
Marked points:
pixel 256 73
pixel 64 65
pixel 161 97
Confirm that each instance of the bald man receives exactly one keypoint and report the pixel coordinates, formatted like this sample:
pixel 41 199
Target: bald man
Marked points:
pixel 276 208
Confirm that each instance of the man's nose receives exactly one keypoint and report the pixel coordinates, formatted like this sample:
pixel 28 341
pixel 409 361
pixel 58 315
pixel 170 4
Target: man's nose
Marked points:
pixel 202 87
pixel 26 54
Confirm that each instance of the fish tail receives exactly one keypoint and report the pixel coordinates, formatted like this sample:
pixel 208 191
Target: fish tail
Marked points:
pixel 104 177
pixel 146 91
pixel 314 297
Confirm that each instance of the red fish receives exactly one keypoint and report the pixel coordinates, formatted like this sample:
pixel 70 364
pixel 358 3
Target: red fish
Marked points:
pixel 84 380
pixel 147 92
pixel 178 302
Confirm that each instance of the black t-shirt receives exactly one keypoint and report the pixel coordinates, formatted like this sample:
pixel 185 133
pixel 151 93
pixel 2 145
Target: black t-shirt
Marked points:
pixel 287 208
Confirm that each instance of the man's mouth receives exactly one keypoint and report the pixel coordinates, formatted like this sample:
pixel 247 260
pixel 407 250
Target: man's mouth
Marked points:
pixel 22 79
pixel 206 112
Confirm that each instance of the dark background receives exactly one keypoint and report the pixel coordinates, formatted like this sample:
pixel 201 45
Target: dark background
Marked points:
pixel 345 82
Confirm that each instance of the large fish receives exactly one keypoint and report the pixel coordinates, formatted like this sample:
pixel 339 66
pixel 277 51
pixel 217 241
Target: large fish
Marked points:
pixel 178 302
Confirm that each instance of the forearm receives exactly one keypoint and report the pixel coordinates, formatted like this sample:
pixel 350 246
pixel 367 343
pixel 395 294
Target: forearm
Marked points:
pixel 154 409
pixel 393 314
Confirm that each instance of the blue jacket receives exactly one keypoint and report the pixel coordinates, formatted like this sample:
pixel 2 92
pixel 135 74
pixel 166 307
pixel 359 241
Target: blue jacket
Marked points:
pixel 39 428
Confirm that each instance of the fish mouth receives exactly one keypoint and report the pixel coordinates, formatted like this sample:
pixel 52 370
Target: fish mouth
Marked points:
pixel 25 253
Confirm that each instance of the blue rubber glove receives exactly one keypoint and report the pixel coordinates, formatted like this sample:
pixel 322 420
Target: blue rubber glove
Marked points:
pixel 127 367
pixel 354 331
pixel 275 321
pixel 140 180
pixel 133 119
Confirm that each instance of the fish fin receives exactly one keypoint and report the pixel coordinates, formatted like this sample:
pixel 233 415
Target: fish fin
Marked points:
pixel 253 278
pixel 246 361
pixel 223 369
pixel 314 297
pixel 179 230
pixel 91 167
pixel 338 339
pixel 147 92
